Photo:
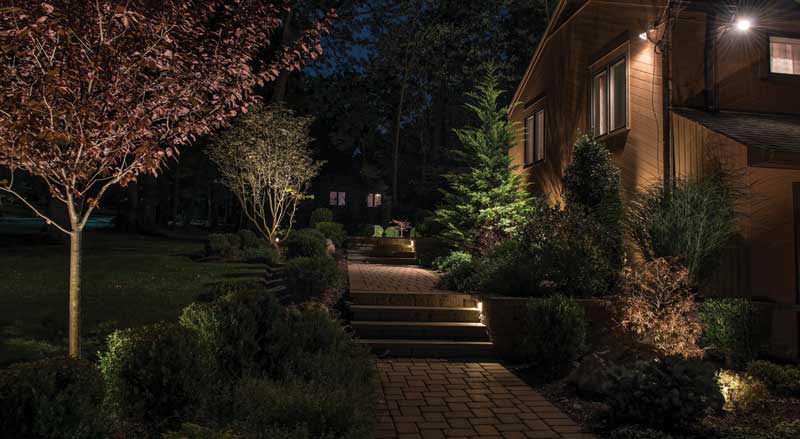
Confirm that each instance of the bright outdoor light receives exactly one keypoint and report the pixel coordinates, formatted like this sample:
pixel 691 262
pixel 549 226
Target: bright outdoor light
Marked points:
pixel 643 36
pixel 743 24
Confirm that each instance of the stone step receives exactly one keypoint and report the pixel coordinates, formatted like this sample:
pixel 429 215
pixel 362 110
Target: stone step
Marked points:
pixel 430 348
pixel 415 313
pixel 458 331
pixel 411 298
pixel 391 261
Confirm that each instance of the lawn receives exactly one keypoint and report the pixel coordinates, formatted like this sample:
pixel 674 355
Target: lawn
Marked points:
pixel 128 280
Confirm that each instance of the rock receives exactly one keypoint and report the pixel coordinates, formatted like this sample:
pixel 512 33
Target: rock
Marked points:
pixel 330 247
pixel 591 375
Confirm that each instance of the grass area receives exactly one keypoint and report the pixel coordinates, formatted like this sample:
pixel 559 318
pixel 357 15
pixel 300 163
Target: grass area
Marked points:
pixel 128 280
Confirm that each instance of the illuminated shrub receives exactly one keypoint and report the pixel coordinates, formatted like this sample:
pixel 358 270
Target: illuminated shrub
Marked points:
pixel 333 231
pixel 742 392
pixel 391 232
pixel 657 305
pixel 731 326
pixel 457 271
pixel 305 243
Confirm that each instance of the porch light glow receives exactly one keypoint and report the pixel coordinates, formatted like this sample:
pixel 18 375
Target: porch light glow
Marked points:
pixel 743 24
pixel 643 36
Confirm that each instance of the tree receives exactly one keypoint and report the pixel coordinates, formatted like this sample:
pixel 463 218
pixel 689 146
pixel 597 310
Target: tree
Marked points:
pixel 486 201
pixel 591 182
pixel 96 93
pixel 265 160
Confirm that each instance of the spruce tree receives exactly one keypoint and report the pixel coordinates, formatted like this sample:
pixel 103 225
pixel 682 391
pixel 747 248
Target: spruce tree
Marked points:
pixel 485 201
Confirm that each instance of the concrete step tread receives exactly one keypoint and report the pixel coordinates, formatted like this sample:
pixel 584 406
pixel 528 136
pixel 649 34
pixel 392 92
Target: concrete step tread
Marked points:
pixel 423 342
pixel 383 323
pixel 410 293
pixel 413 308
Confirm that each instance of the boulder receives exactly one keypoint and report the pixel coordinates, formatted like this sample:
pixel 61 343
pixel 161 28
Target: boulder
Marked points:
pixel 330 247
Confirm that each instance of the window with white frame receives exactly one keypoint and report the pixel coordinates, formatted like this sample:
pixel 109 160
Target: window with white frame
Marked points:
pixel 534 137
pixel 784 55
pixel 374 200
pixel 336 198
pixel 609 98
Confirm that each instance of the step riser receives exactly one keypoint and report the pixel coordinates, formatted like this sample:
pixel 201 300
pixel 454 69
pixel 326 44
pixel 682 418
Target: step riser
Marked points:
pixel 432 351
pixel 424 333
pixel 411 299
pixel 392 261
pixel 393 254
pixel 417 315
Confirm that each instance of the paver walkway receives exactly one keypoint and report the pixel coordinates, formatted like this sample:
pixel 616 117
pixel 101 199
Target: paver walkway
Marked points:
pixel 428 399
pixel 374 277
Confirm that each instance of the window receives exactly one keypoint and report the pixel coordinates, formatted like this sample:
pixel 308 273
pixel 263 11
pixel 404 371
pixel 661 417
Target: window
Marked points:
pixel 534 137
pixel 784 55
pixel 609 98
pixel 374 200
pixel 336 198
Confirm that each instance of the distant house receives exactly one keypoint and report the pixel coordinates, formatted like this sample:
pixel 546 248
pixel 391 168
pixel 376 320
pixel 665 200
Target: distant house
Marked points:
pixel 352 200
pixel 733 91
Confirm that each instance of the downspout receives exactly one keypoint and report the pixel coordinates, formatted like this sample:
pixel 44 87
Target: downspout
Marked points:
pixel 665 102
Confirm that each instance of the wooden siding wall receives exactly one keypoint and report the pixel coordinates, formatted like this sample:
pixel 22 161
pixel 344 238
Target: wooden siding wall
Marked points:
pixel 562 78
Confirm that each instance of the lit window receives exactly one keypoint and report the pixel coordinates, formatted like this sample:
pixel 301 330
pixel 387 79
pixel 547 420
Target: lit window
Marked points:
pixel 336 198
pixel 373 200
pixel 784 55
pixel 534 137
pixel 609 98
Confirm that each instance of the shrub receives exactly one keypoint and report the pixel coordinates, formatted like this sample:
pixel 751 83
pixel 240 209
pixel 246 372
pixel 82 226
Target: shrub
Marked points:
pixel 320 215
pixel 556 333
pixel 377 231
pixel 732 327
pixel 333 231
pixel 555 242
pixel 429 250
pixel 457 271
pixel 226 287
pixel 305 243
pixel 637 432
pixel 663 393
pixel 507 271
pixel 52 398
pixel 264 255
pixel 694 224
pixel 236 332
pixel 307 278
pixel 225 245
pixel 370 231
pixel 657 305
pixel 592 182
pixel 152 375
pixel 194 431
pixel 742 392
pixel 391 232
pixel 250 240
pixel 780 380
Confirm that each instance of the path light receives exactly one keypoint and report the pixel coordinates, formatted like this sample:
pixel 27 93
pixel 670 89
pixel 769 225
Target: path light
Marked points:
pixel 643 36
pixel 743 24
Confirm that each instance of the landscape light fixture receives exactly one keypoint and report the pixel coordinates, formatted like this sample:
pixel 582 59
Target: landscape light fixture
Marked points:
pixel 643 36
pixel 743 24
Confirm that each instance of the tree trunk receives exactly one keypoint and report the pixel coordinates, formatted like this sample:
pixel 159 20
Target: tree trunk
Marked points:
pixel 397 140
pixel 281 83
pixel 75 292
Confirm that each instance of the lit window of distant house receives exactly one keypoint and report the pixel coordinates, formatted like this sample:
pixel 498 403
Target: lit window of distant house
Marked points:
pixel 609 98
pixel 784 55
pixel 374 200
pixel 336 198
pixel 534 137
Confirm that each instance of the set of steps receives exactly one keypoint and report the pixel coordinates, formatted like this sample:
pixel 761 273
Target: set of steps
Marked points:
pixel 420 324
pixel 389 251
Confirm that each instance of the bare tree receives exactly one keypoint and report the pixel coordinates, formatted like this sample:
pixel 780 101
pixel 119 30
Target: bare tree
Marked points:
pixel 265 160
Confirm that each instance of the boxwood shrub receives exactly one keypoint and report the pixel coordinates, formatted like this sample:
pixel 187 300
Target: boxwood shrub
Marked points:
pixel 458 271
pixel 226 245
pixel 781 380
pixel 309 277
pixel 333 231
pixel 53 398
pixel 153 376
pixel 320 215
pixel 667 393
pixel 731 326
pixel 305 243
pixel 391 232
pixel 556 333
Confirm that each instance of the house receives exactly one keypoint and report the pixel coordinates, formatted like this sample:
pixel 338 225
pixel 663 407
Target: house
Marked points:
pixel 353 199
pixel 666 85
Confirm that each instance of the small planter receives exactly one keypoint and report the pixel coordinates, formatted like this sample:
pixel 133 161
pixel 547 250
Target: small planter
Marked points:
pixel 506 319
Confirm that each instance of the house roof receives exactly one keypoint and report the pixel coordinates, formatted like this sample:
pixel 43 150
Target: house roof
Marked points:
pixel 769 132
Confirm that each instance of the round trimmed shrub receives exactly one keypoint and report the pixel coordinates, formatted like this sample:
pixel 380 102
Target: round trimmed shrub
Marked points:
pixel 506 271
pixel 556 333
pixel 249 239
pixel 53 398
pixel 320 215
pixel 307 277
pixel 457 271
pixel 333 231
pixel 391 232
pixel 152 375
pixel 226 245
pixel 305 243
pixel 664 393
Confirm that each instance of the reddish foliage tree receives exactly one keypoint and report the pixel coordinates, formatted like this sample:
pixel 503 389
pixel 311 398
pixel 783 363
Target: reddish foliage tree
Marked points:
pixel 94 93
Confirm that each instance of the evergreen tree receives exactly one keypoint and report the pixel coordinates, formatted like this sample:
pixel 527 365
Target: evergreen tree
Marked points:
pixel 486 201
pixel 592 182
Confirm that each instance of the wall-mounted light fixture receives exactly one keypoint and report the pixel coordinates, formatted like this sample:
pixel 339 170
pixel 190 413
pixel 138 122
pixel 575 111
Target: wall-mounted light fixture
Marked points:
pixel 743 24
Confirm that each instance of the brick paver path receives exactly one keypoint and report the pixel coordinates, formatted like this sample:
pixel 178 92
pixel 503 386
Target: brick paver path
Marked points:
pixel 375 277
pixel 428 399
